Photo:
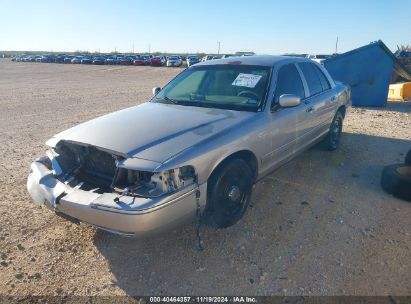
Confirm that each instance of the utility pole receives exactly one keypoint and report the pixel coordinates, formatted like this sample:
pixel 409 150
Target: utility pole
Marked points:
pixel 149 49
pixel 219 44
pixel 336 46
pixel 133 49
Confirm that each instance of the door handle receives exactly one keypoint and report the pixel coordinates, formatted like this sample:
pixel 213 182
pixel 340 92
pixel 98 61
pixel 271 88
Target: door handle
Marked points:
pixel 309 110
pixel 333 98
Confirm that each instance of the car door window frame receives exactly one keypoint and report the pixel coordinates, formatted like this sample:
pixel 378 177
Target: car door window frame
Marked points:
pixel 273 101
pixel 323 76
pixel 318 70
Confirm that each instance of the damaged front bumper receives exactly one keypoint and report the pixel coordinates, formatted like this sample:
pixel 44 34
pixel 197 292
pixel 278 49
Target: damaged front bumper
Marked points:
pixel 121 214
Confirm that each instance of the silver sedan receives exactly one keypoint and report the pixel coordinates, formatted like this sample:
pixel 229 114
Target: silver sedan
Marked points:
pixel 195 149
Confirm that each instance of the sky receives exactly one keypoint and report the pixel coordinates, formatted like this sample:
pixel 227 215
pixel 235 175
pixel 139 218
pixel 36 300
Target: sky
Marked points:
pixel 189 26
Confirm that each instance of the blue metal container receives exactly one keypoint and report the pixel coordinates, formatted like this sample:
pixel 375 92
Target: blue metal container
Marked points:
pixel 367 70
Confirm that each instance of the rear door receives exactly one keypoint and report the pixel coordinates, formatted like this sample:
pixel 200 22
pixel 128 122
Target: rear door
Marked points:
pixel 319 101
pixel 328 109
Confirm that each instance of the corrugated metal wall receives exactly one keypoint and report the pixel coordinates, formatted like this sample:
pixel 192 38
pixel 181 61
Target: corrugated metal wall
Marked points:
pixel 367 70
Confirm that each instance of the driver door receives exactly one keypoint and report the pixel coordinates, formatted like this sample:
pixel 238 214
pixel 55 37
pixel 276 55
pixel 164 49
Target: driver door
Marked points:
pixel 287 123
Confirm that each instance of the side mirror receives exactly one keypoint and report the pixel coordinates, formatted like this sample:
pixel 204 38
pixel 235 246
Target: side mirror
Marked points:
pixel 156 90
pixel 289 100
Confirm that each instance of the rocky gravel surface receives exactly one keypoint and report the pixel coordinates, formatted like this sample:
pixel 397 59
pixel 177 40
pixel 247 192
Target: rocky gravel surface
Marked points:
pixel 320 225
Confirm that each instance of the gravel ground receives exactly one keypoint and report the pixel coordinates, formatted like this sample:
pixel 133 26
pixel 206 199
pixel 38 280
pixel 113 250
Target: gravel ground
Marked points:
pixel 320 225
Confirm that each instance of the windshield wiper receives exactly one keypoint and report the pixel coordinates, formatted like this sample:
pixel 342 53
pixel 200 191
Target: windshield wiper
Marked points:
pixel 169 100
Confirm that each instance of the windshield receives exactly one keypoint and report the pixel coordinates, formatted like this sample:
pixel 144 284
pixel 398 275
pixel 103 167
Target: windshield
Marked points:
pixel 172 58
pixel 235 87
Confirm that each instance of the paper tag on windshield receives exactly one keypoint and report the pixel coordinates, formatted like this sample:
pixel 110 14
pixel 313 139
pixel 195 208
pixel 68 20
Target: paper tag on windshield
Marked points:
pixel 246 80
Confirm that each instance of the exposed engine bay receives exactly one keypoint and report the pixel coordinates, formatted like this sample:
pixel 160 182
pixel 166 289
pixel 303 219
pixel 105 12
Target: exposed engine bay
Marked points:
pixel 89 168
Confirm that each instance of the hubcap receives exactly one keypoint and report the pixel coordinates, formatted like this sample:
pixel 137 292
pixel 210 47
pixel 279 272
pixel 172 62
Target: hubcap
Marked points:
pixel 234 193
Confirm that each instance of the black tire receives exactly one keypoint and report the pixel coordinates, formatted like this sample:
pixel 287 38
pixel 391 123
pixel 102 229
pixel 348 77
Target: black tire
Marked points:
pixel 334 135
pixel 396 180
pixel 228 193
pixel 408 158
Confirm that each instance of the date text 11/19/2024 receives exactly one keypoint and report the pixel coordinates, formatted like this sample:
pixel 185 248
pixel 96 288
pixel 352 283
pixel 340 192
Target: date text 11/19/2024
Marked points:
pixel 203 299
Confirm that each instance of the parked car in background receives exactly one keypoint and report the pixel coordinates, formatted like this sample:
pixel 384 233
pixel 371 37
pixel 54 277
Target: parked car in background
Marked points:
pixel 174 61
pixel 139 60
pixel 112 60
pixel 59 58
pixel 247 54
pixel 192 60
pixel 206 58
pixel 142 60
pixel 126 60
pixel 318 58
pixel 86 60
pixel 77 59
pixel 195 149
pixel 68 58
pixel 156 61
pixel 147 59
pixel 45 59
pixel 163 59
pixel 99 60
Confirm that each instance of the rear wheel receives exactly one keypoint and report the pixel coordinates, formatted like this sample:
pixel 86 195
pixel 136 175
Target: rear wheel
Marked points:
pixel 334 135
pixel 229 193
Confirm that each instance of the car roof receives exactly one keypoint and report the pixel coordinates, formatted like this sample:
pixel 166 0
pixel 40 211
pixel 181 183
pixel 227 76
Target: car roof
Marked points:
pixel 262 60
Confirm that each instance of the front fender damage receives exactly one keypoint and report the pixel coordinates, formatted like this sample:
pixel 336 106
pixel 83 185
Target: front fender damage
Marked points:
pixel 43 186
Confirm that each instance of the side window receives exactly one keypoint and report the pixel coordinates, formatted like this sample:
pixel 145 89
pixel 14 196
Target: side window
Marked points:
pixel 289 82
pixel 324 81
pixel 311 76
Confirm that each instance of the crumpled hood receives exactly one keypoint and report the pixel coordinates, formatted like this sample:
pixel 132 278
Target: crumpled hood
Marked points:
pixel 153 131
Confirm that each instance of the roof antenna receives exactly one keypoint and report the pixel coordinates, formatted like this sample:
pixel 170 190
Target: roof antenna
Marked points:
pixel 336 46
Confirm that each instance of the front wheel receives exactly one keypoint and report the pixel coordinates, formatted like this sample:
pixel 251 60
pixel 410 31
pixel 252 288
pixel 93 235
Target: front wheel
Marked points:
pixel 334 135
pixel 229 193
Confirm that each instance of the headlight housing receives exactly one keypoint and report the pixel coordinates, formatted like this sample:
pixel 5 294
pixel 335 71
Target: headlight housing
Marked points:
pixel 149 184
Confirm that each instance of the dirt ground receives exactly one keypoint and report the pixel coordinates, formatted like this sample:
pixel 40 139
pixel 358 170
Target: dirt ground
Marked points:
pixel 320 225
